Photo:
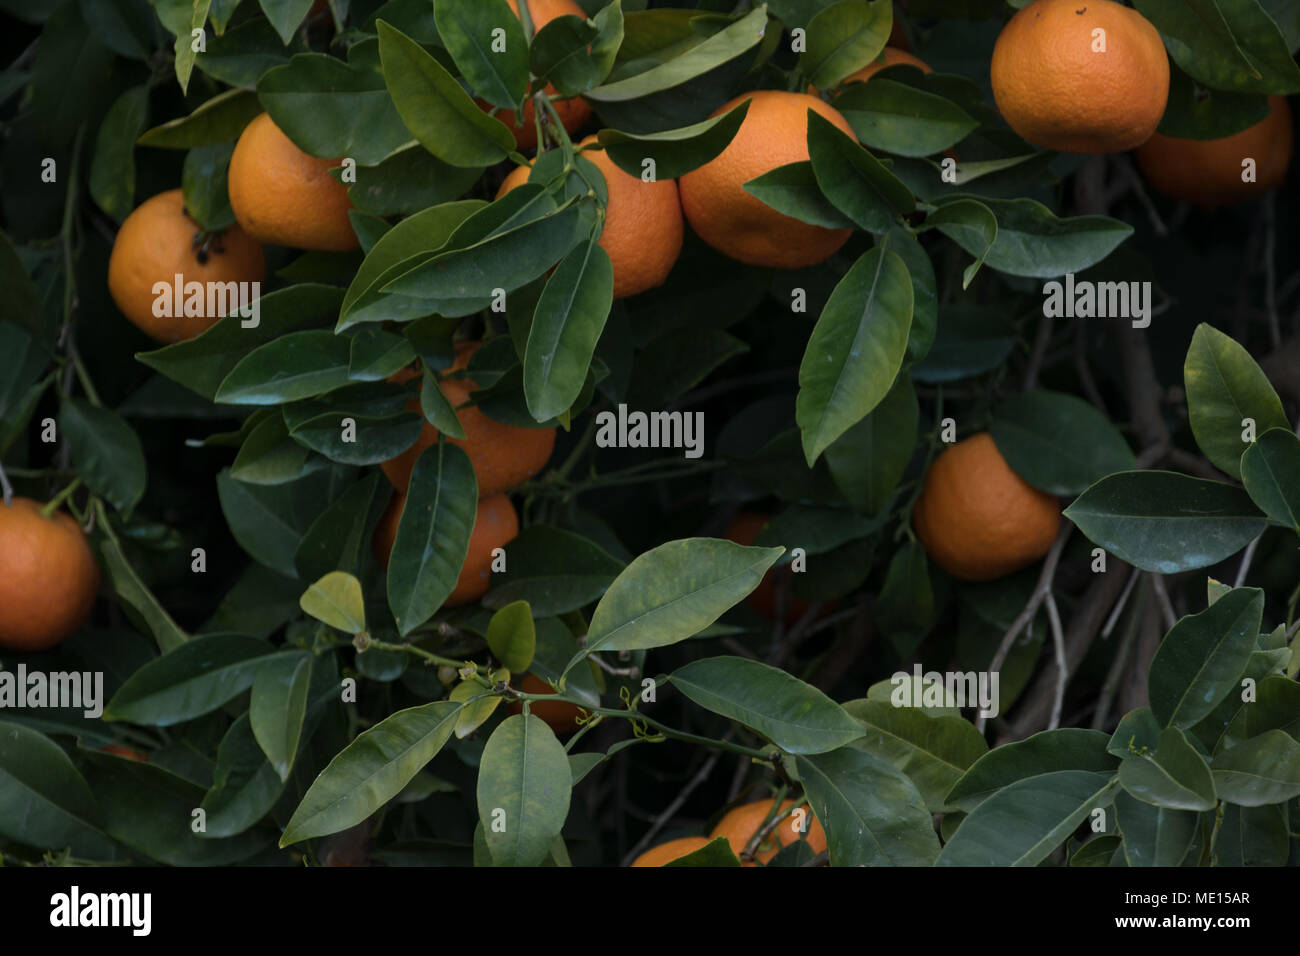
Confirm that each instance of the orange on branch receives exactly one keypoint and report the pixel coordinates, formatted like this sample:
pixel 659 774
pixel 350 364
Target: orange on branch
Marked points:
pixel 740 824
pixel 48 577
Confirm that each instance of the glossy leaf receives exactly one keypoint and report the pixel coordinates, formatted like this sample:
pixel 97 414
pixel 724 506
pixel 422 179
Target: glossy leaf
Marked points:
pixel 1225 387
pixel 1020 825
pixel 524 787
pixel 1050 751
pixel 674 591
pixel 855 350
pixel 190 681
pixel 1175 776
pixel 1154 836
pixel 512 636
pixel 842 38
pixel 795 716
pixel 337 600
pixel 675 152
pixel 1166 522
pixel 871 812
pixel 1262 770
pixel 555 571
pixel 278 707
pixel 855 182
pixel 106 452
pixel 1200 660
pixel 1270 470
pixel 372 770
pixel 793 191
pixel 432 536
pixel 294 366
pixel 44 801
pixel 900 119
pixel 468 29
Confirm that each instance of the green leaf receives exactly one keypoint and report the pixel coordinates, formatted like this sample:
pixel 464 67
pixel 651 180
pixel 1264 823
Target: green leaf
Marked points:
pixel 1033 242
pixel 674 591
pixel 905 609
pixel 566 325
pixel 1225 386
pixel 934 752
pixel 376 354
pixel 1270 469
pixel 218 120
pixel 203 362
pixel 262 520
pixel 969 340
pixel 479 703
pixel 903 120
pixel 717 852
pixel 728 43
pixel 1154 836
pixel 871 812
pixel 1198 663
pixel 855 350
pixel 1021 824
pixel 843 38
pixel 795 716
pixel 338 539
pixel 925 292
pixel 1138 731
pixel 372 770
pixel 1166 522
pixel 468 29
pixel 1050 751
pixel 1176 776
pixel 245 785
pixel 1057 442
pixel 279 705
pixel 285 15
pixel 140 603
pixel 1262 770
pixel 574 55
pixel 675 152
pixel 972 226
pixel 269 456
pixel 432 536
pixel 106 452
pixel 855 182
pixel 1227 45
pixel 1253 836
pixel 204 186
pixel 112 171
pixel 512 636
pixel 793 191
pixel 190 681
pixel 44 801
pixel 555 571
pixel 1099 851
pixel 297 365
pixel 524 787
pixel 435 108
pixel 337 600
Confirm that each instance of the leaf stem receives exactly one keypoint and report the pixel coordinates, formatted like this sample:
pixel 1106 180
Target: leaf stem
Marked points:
pixel 52 505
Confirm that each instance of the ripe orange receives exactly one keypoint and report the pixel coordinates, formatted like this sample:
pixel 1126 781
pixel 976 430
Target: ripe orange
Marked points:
pixel 740 824
pixel 48 577
pixel 977 519
pixel 890 56
pixel 504 456
pixel 124 752
pixel 560 716
pixel 575 112
pixel 495 525
pixel 159 241
pixel 744 528
pixel 1058 89
pixel 665 853
pixel 285 197
pixel 643 223
pixel 723 214
pixel 1207 172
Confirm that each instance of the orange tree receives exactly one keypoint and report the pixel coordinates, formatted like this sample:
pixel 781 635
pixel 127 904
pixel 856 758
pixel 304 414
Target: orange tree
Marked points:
pixel 509 347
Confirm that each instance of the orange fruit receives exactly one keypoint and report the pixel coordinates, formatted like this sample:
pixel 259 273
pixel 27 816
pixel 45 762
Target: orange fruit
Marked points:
pixel 1207 172
pixel 495 525
pixel 560 716
pixel 575 112
pixel 285 197
pixel 723 214
pixel 744 528
pixel 504 456
pixel 1057 89
pixel 890 56
pixel 48 577
pixel 740 824
pixel 159 241
pixel 124 752
pixel 643 223
pixel 977 519
pixel 665 853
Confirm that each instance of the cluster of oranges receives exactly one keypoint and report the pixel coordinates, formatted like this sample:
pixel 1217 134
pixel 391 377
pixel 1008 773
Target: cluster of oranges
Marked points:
pixel 739 826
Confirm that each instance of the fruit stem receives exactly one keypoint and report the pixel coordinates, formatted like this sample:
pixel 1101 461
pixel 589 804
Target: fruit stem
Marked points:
pixel 52 505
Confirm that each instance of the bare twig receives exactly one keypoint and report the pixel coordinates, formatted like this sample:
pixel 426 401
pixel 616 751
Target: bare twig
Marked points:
pixel 1119 605
pixel 6 488
pixel 1118 664
pixel 1041 341
pixel 669 811
pixel 1058 644
pixel 1084 370
pixel 1162 599
pixel 1246 560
